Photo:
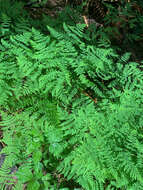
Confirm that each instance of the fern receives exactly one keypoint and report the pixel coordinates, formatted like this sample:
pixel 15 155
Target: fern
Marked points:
pixel 71 109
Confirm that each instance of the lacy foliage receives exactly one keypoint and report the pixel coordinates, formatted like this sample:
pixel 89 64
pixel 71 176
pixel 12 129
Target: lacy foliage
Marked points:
pixel 71 109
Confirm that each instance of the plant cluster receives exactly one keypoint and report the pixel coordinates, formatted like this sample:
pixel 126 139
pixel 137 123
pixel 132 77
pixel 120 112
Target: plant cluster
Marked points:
pixel 71 106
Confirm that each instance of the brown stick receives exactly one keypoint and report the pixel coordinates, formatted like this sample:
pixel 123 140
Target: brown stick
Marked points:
pixel 86 21
pixel 94 100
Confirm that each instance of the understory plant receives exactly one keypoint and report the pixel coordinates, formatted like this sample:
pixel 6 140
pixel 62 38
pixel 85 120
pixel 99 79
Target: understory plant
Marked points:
pixel 71 108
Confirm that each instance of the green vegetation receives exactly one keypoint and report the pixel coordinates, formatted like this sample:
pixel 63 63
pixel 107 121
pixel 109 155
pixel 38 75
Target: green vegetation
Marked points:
pixel 71 101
